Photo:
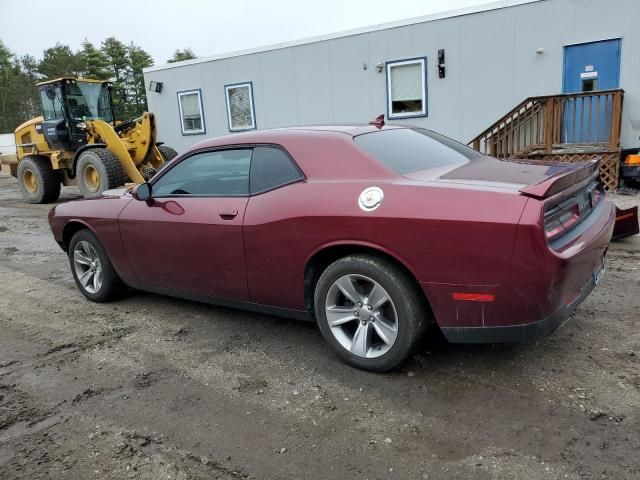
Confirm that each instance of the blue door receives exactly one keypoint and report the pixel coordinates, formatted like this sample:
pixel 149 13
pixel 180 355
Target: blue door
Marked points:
pixel 589 67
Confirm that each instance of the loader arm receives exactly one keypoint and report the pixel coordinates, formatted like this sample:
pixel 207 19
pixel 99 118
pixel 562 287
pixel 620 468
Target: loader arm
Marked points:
pixel 143 137
pixel 101 131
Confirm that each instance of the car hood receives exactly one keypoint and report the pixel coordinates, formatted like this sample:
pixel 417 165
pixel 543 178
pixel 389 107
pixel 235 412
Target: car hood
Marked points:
pixel 491 173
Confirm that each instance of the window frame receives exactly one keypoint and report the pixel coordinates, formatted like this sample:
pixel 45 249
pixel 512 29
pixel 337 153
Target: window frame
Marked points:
pixel 240 146
pixel 185 132
pixel 251 101
pixel 407 61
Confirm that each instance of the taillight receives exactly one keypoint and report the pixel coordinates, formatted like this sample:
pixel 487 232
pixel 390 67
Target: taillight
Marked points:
pixel 558 222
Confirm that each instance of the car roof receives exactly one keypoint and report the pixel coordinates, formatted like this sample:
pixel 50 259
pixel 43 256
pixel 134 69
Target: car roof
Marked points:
pixel 353 130
pixel 278 135
pixel 319 150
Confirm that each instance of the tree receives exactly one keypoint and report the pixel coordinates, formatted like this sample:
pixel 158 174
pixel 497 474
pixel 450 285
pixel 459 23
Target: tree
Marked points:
pixel 115 61
pixel 118 57
pixel 181 55
pixel 59 61
pixel 12 83
pixel 138 60
pixel 95 63
pixel 28 92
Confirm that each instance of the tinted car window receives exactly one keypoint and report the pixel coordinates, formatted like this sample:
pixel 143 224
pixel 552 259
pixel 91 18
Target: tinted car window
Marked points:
pixel 271 167
pixel 221 173
pixel 408 150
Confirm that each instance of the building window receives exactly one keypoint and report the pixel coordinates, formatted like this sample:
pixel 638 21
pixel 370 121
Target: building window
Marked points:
pixel 240 111
pixel 407 88
pixel 191 115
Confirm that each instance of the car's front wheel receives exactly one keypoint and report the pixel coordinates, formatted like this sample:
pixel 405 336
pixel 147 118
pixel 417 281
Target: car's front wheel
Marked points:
pixel 92 271
pixel 370 311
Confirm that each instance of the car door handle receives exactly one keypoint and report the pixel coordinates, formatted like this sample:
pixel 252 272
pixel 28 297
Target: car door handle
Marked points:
pixel 228 214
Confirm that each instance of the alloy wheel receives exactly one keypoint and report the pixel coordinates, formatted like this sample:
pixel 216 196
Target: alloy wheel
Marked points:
pixel 361 316
pixel 86 263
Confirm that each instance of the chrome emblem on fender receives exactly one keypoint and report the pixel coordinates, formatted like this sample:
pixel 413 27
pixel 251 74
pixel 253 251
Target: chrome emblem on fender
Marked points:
pixel 370 199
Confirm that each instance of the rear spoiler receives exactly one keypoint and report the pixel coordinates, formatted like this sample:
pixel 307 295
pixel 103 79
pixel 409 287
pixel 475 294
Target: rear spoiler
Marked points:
pixel 568 174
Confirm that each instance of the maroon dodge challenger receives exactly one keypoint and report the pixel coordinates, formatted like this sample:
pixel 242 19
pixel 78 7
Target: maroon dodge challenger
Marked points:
pixel 376 233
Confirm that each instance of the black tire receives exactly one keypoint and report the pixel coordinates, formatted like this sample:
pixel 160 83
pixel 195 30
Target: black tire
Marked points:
pixel 39 182
pixel 111 285
pixel 106 167
pixel 168 153
pixel 410 305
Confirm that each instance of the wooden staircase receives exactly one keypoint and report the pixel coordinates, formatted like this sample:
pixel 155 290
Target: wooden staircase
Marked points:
pixel 560 128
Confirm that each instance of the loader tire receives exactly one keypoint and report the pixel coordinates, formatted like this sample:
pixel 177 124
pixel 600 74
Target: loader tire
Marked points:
pixel 168 153
pixel 39 182
pixel 98 170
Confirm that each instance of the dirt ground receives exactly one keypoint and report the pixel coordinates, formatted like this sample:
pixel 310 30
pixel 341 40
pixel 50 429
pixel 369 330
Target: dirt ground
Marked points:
pixel 156 388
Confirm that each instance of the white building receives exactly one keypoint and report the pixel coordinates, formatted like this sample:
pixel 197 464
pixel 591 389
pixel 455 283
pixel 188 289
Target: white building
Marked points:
pixel 456 73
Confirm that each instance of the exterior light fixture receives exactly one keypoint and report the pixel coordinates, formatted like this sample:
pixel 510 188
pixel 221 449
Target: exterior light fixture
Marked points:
pixel 155 87
pixel 441 66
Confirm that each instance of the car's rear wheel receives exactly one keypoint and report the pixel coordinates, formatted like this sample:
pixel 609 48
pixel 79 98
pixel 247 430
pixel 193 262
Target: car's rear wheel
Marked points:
pixel 91 268
pixel 370 311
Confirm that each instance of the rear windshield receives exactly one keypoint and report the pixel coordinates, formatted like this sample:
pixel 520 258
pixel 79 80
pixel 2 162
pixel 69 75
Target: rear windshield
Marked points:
pixel 407 150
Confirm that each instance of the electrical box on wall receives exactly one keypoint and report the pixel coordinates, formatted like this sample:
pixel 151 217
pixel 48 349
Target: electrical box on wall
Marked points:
pixel 441 67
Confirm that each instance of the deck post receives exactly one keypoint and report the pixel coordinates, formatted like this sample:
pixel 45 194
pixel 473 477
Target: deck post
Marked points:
pixel 548 125
pixel 616 118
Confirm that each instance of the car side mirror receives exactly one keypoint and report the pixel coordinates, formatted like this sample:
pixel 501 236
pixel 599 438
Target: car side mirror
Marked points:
pixel 143 192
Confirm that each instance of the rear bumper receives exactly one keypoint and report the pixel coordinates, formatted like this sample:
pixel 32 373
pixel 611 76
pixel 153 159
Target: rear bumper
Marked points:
pixel 518 333
pixel 541 292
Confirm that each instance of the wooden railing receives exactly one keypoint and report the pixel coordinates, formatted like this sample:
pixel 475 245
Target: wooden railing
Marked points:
pixel 541 124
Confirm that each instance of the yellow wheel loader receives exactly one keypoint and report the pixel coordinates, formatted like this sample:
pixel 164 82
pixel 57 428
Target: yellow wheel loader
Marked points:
pixel 77 141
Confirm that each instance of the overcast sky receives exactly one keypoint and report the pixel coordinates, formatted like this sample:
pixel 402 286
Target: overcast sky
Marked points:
pixel 208 27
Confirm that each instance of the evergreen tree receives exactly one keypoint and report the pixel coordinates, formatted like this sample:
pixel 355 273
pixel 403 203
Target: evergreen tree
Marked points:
pixel 12 83
pixel 181 55
pixel 138 60
pixel 118 56
pixel 59 61
pixel 19 96
pixel 95 64
pixel 28 92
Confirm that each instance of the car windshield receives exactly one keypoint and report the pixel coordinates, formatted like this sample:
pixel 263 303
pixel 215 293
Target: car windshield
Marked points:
pixel 407 150
pixel 89 101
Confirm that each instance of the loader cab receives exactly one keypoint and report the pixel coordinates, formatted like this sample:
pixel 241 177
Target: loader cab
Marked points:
pixel 67 104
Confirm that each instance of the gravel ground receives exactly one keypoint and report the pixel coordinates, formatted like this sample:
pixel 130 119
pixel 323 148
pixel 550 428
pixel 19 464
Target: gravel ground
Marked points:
pixel 157 388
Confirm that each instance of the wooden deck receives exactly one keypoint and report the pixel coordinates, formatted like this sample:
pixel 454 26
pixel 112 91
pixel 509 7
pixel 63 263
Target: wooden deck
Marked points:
pixel 563 128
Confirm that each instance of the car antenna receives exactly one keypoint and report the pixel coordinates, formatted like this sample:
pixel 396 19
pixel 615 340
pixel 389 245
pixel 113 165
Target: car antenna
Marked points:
pixel 378 122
